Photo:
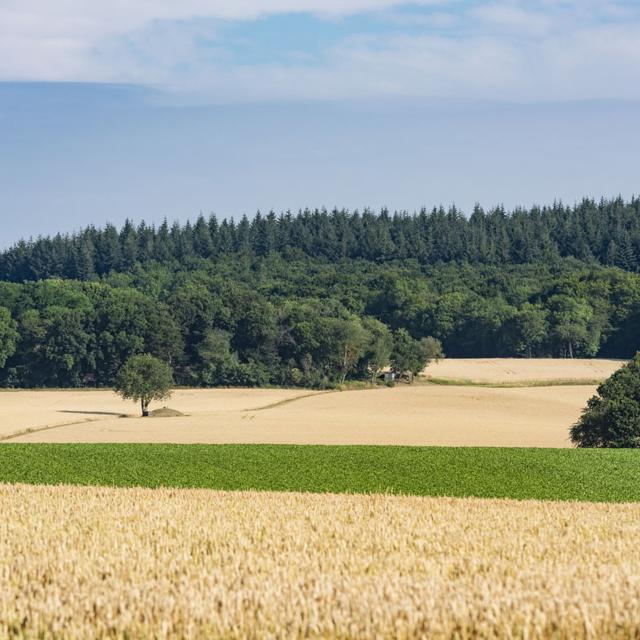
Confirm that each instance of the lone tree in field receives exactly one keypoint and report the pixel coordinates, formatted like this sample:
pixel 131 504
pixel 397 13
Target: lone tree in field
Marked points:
pixel 612 418
pixel 144 378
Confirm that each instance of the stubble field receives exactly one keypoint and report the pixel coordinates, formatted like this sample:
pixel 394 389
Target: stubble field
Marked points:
pixel 81 562
pixel 418 415
pixel 523 370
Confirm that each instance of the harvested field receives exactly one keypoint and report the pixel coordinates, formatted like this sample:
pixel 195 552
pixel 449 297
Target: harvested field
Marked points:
pixel 23 410
pixel 522 370
pixel 421 415
pixel 96 562
pixel 418 415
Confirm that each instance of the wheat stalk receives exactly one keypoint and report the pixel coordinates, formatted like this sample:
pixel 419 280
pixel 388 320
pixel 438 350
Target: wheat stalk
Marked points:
pixel 81 562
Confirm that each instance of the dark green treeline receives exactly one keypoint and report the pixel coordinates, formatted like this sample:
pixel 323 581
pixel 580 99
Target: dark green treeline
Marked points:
pixel 314 298
pixel 607 232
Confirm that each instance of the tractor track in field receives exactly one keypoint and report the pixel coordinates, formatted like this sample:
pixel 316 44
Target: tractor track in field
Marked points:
pixel 48 427
pixel 279 403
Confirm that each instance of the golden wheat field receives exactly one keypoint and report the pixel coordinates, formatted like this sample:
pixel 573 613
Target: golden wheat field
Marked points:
pixel 80 562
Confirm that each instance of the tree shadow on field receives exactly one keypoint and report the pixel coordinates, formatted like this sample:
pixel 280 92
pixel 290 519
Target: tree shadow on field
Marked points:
pixel 92 413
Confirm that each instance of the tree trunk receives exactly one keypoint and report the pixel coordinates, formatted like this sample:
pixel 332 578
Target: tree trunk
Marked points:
pixel 144 404
pixel 570 349
pixel 344 366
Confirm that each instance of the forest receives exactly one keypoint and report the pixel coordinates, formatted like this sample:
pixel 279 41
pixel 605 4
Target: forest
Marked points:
pixel 320 297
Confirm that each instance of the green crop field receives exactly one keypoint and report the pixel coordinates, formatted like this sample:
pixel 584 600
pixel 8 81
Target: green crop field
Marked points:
pixel 545 474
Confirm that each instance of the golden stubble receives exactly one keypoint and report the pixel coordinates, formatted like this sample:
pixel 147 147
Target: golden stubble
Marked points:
pixel 83 562
pixel 417 415
pixel 522 370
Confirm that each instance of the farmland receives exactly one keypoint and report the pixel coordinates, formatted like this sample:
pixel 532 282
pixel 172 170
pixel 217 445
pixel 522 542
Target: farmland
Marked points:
pixel 339 417
pixel 534 371
pixel 417 415
pixel 549 474
pixel 24 410
pixel 97 562
pixel 297 513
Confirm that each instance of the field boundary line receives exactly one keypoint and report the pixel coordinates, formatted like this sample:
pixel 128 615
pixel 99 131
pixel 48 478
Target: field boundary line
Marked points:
pixel 48 427
pixel 516 384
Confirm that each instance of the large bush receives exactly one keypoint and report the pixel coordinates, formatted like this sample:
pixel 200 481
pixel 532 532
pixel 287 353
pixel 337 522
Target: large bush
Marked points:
pixel 409 357
pixel 612 417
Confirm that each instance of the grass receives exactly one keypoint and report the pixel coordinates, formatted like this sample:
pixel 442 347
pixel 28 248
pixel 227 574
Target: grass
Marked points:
pixel 545 474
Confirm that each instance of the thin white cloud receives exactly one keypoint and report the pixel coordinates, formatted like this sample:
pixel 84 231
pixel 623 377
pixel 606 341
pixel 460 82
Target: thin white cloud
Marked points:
pixel 502 49
pixel 514 19
pixel 51 39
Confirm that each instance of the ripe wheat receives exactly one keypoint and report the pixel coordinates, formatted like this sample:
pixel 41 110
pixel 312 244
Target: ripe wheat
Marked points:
pixel 131 563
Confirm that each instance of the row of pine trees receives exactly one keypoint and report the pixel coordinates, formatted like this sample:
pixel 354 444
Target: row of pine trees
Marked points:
pixel 607 232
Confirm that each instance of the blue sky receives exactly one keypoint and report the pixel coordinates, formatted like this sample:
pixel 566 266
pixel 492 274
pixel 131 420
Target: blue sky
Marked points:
pixel 146 109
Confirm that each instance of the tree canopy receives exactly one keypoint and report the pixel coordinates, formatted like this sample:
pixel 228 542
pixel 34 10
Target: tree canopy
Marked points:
pixel 8 335
pixel 321 297
pixel 144 378
pixel 612 417
pixel 606 232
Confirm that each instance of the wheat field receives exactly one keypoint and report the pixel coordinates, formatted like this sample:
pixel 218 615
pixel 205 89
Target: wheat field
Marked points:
pixel 80 562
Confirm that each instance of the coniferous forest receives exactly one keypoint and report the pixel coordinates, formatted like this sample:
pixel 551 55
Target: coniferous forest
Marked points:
pixel 318 297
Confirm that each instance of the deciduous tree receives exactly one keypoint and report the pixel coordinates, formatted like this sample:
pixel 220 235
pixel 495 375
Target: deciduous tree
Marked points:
pixel 144 378
pixel 612 417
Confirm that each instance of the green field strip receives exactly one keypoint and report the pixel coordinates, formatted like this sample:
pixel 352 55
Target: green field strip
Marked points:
pixel 544 474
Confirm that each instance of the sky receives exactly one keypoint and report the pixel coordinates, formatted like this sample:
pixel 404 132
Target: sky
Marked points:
pixel 155 108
